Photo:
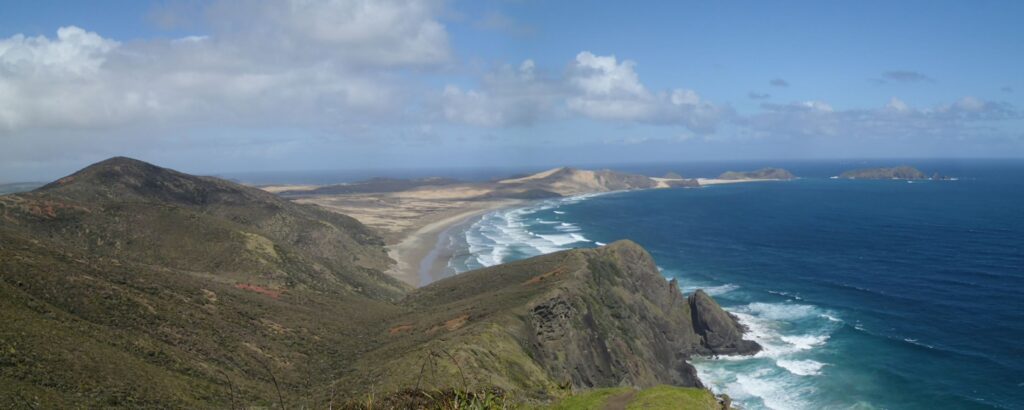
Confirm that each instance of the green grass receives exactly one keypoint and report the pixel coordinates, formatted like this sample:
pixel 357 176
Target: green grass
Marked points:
pixel 594 399
pixel 659 397
pixel 669 397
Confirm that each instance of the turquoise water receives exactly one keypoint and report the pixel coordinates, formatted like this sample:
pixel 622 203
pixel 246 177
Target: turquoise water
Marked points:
pixel 865 294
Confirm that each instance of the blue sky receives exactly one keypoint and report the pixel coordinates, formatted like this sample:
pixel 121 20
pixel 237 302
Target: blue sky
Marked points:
pixel 227 86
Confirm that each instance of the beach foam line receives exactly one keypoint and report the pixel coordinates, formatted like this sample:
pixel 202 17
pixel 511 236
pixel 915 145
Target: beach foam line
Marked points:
pixel 499 235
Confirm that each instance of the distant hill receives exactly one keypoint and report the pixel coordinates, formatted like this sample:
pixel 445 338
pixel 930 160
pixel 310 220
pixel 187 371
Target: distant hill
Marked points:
pixel 19 187
pixel 567 181
pixel 374 185
pixel 130 285
pixel 763 173
pixel 901 172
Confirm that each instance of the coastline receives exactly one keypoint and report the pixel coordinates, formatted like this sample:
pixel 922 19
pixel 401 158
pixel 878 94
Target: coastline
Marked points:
pixel 421 255
pixel 417 256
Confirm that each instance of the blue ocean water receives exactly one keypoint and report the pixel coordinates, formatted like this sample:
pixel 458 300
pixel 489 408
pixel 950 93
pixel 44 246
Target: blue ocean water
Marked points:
pixel 864 294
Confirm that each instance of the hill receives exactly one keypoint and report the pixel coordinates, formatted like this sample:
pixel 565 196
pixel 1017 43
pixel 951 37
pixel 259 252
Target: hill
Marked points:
pixel 18 187
pixel 130 285
pixel 570 181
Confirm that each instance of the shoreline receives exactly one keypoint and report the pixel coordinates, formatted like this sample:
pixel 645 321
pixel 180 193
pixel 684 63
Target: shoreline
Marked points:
pixel 417 255
pixel 421 255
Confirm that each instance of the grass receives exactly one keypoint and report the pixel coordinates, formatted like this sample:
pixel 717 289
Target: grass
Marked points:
pixel 670 397
pixel 659 397
pixel 594 399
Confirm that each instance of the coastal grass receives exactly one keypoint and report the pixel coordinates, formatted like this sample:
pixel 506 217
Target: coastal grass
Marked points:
pixel 594 399
pixel 658 397
pixel 671 397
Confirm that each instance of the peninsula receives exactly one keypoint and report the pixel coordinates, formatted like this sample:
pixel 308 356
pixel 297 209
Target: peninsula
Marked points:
pixel 130 285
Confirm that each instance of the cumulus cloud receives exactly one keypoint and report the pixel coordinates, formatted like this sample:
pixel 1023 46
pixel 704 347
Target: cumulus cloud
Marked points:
pixel 758 96
pixel 510 96
pixel 778 82
pixel 325 63
pixel 596 87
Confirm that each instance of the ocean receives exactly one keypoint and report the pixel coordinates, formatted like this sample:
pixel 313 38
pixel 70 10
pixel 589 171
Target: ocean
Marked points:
pixel 864 294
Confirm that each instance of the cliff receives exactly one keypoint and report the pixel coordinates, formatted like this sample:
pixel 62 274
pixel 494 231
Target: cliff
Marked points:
pixel 550 325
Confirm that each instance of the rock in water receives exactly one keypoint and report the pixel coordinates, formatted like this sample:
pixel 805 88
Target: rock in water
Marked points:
pixel 720 332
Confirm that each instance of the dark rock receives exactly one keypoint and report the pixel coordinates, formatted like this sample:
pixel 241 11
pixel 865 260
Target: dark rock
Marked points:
pixel 720 332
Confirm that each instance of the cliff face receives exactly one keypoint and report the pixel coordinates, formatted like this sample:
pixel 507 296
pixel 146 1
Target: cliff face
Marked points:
pixel 569 320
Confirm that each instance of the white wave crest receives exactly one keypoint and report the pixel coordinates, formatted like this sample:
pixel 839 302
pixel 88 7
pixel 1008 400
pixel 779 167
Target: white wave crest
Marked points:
pixel 801 367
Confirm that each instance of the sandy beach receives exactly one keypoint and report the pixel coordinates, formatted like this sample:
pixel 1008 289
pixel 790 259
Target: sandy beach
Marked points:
pixel 411 223
pixel 418 257
pixel 716 181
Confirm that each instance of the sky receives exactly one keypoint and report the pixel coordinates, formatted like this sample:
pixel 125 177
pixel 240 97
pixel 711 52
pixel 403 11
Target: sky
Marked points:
pixel 288 85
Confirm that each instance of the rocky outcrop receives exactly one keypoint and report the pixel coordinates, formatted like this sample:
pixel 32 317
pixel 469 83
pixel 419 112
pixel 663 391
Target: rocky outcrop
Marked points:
pixel 720 332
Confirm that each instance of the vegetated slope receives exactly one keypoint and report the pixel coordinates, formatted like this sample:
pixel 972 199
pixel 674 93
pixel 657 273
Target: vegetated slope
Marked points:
pixel 549 325
pixel 131 285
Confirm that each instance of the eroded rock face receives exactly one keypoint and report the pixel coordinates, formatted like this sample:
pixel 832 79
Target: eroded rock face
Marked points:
pixel 625 325
pixel 542 326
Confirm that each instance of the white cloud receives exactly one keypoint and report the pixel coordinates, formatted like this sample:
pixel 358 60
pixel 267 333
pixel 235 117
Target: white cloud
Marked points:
pixel 74 51
pixel 509 96
pixel 611 90
pixel 595 87
pixel 297 62
pixel 897 105
pixel 357 32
